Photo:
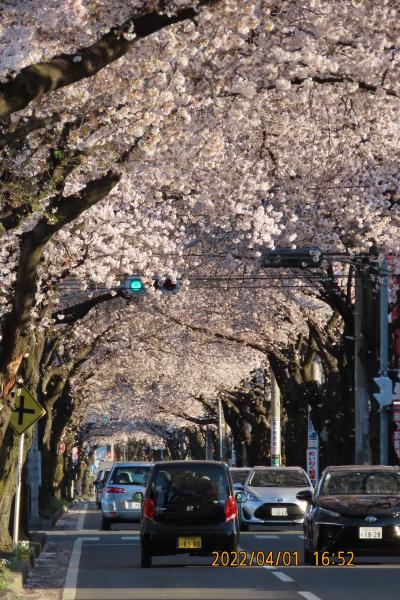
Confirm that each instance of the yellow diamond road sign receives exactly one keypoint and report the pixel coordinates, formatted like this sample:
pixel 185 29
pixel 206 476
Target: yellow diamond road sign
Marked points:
pixel 26 411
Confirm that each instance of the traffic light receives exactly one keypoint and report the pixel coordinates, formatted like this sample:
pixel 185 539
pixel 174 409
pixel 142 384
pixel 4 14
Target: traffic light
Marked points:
pixel 384 396
pixel 134 285
pixel 166 284
pixel 294 258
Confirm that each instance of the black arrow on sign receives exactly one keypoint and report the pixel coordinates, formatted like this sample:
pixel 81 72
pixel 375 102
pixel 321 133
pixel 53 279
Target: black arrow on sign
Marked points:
pixel 21 410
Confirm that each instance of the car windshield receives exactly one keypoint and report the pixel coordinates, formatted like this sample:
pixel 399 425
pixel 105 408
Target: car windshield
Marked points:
pixel 130 475
pixel 239 476
pixel 278 478
pixel 176 483
pixel 370 483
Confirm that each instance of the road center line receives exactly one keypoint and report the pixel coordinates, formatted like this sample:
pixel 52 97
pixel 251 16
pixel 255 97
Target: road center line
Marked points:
pixel 309 596
pixel 283 577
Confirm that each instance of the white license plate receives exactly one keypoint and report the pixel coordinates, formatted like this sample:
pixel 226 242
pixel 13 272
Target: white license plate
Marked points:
pixel 370 533
pixel 136 505
pixel 279 512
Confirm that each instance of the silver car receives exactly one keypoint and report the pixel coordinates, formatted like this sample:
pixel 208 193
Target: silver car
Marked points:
pixel 271 496
pixel 117 502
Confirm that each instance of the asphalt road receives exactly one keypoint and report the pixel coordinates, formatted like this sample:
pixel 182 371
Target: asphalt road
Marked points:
pixel 106 566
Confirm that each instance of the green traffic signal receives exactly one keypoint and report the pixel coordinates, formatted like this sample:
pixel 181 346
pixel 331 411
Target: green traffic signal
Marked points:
pixel 136 285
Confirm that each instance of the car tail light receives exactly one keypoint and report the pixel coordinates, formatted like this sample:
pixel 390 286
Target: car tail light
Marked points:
pixel 230 509
pixel 115 490
pixel 149 511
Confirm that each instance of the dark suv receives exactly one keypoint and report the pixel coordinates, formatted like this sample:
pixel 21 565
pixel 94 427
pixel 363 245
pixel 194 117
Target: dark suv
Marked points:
pixel 188 507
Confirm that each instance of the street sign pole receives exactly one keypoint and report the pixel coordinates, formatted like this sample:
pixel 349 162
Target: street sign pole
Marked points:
pixel 17 502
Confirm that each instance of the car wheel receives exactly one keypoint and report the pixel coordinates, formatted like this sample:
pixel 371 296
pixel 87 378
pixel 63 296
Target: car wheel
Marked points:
pixel 146 559
pixel 244 526
pixel 105 524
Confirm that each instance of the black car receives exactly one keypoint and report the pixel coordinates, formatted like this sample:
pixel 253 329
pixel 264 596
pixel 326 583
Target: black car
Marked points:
pixel 188 507
pixel 356 509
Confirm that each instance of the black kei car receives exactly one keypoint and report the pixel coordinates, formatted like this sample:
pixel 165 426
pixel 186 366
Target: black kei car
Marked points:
pixel 188 507
pixel 354 512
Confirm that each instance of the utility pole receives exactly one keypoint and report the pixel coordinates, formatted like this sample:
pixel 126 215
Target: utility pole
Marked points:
pixel 312 452
pixel 275 421
pixel 34 479
pixel 362 448
pixel 220 430
pixel 17 503
pixel 383 357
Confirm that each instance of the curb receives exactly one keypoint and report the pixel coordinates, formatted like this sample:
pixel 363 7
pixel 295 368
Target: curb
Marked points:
pixel 16 583
pixel 37 541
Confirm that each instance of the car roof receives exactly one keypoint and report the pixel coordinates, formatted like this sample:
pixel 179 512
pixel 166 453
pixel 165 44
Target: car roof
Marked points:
pixel 340 468
pixel 189 462
pixel 240 468
pixel 133 464
pixel 261 468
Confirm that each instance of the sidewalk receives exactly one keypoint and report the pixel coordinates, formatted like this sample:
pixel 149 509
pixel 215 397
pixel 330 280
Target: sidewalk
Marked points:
pixel 46 580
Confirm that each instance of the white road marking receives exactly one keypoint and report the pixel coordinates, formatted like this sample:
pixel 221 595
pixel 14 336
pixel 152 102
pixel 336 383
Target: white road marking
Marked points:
pixel 267 537
pixel 282 576
pixel 130 537
pixel 309 596
pixel 301 537
pixel 81 519
pixel 71 578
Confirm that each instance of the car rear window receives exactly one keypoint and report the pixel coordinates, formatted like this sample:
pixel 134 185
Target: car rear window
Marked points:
pixel 370 483
pixel 104 476
pixel 130 475
pixel 173 483
pixel 278 478
pixel 239 476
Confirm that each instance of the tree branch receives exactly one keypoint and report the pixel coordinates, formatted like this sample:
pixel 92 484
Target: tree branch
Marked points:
pixel 65 69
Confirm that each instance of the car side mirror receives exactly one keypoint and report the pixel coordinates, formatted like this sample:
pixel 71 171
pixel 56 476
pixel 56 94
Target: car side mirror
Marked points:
pixel 241 497
pixel 137 497
pixel 305 495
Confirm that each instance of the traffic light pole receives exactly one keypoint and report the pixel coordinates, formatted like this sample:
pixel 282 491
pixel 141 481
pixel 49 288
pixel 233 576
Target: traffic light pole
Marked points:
pixel 361 413
pixel 383 357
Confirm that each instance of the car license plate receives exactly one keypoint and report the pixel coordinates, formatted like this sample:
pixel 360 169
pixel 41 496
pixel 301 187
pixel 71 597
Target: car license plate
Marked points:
pixel 279 512
pixel 136 505
pixel 189 543
pixel 370 533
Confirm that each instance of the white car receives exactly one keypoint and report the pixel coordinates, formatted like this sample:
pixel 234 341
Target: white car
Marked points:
pixel 117 502
pixel 271 496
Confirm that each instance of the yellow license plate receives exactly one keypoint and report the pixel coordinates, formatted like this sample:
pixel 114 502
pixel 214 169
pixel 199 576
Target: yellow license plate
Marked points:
pixel 189 543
